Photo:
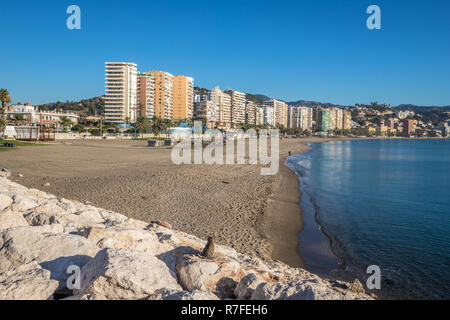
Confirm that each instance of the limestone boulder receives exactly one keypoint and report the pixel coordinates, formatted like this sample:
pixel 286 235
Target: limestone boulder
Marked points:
pixel 247 286
pixel 123 236
pixel 54 252
pixel 301 290
pixel 5 201
pixel 164 294
pixel 218 276
pixel 27 282
pixel 22 204
pixel 11 219
pixel 125 274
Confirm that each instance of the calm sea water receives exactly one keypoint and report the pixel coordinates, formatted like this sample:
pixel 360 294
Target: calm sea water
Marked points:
pixel 380 202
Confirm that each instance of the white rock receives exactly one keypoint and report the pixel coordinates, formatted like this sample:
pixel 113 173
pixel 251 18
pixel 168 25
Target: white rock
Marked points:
pixel 164 294
pixel 22 203
pixel 5 201
pixel 247 286
pixel 54 252
pixel 194 274
pixel 85 297
pixel 11 219
pixel 27 282
pixel 35 218
pixel 300 290
pixel 125 274
pixel 113 218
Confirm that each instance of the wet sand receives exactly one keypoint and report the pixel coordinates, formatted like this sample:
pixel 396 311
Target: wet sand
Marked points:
pixel 255 214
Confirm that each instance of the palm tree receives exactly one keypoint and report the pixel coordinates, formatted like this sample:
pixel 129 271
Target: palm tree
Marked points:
pixel 65 122
pixel 156 126
pixel 142 125
pixel 5 97
pixel 2 124
pixel 166 124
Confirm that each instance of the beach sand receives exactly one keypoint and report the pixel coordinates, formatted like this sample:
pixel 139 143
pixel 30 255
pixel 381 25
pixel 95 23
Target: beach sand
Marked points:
pixel 255 214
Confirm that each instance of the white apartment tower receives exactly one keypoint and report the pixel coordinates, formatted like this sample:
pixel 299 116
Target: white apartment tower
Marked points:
pixel 250 112
pixel 280 111
pixel 120 92
pixel 300 117
pixel 223 101
pixel 237 106
pixel 269 115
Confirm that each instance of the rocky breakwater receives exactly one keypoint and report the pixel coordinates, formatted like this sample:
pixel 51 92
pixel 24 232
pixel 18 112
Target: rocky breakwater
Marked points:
pixel 53 248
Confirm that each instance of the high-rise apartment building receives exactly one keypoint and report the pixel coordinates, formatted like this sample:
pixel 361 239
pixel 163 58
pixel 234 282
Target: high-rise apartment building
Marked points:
pixel 183 97
pixel 346 120
pixel 269 115
pixel 208 110
pixel 163 94
pixel 237 106
pixel 323 120
pixel 223 100
pixel 300 117
pixel 409 127
pixel 120 92
pixel 280 111
pixel 146 95
pixel 259 115
pixel 250 110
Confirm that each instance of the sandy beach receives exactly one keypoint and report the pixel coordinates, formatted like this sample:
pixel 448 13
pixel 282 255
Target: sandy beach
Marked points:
pixel 255 214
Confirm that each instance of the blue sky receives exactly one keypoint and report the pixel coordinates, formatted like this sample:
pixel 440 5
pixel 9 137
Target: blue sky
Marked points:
pixel 313 50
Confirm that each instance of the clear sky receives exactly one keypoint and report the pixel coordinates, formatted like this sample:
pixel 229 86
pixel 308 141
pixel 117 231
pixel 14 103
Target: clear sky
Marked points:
pixel 317 50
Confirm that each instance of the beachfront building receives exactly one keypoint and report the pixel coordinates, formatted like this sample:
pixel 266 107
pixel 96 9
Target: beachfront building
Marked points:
pixel 269 115
pixel 237 106
pixel 259 115
pixel 146 95
pixel 183 97
pixel 22 112
pixel 381 131
pixel 163 95
pixel 391 123
pixel 408 127
pixel 30 115
pixel 250 111
pixel 346 120
pixel 223 100
pixel 209 111
pixel 120 92
pixel 323 120
pixel 280 111
pixel 299 117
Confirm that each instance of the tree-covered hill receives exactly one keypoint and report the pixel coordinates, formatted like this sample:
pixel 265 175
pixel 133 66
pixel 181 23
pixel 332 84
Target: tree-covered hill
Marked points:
pixel 85 107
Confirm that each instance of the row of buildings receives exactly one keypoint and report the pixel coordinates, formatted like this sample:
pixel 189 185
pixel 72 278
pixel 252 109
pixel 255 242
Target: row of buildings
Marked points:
pixel 327 119
pixel 27 114
pixel 230 108
pixel 129 94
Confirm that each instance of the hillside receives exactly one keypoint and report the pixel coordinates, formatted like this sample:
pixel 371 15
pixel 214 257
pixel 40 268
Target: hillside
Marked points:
pixel 85 107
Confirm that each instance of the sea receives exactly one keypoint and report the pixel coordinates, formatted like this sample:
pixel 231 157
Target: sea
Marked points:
pixel 383 203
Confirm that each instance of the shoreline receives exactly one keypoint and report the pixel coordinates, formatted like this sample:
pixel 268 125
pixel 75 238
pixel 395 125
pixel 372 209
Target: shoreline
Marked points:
pixel 283 220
